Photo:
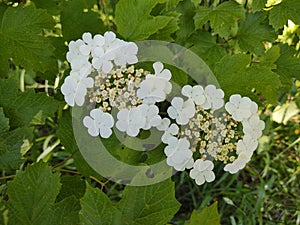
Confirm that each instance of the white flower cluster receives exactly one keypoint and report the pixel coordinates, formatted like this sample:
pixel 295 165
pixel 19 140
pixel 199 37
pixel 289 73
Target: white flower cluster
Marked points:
pixel 194 122
pixel 88 54
pixel 244 110
pixel 215 137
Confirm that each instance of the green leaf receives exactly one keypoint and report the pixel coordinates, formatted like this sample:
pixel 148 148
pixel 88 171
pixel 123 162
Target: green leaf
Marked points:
pixel 204 45
pixel 4 122
pixel 10 147
pixel 236 75
pixel 25 108
pixel 31 196
pixel 134 21
pixel 253 32
pixel 288 66
pixel 165 33
pixel 282 12
pixel 223 19
pixel 154 204
pixel 21 39
pixel 3 212
pixel 187 11
pixel 172 4
pixel 71 185
pixel 270 57
pixel 207 216
pixel 52 6
pixel 257 5
pixel 33 108
pixel 97 209
pixel 66 212
pixel 77 18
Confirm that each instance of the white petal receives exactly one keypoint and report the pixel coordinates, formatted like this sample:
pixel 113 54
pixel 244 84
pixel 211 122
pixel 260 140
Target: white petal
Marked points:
pixel 132 131
pixel 87 37
pixel 158 67
pixel 99 40
pixel 209 176
pixel 109 36
pixel 235 99
pixel 177 102
pixel 105 132
pixel 122 125
pixel 172 112
pixel 200 179
pixel 85 49
pixel 174 129
pixel 107 66
pixel 187 91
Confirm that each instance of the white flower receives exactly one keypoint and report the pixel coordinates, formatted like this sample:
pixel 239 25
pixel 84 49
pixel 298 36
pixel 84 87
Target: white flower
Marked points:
pixel 111 41
pixel 102 61
pixel 99 122
pixel 253 126
pixel 164 124
pixel 155 87
pixel 91 44
pixel 76 58
pixel 196 93
pixel 179 156
pixel 160 72
pixel 241 108
pixel 181 111
pixel 151 90
pixel 151 115
pixel 170 132
pixel 247 145
pixel 74 51
pixel 126 54
pixel 74 90
pixel 238 164
pixel 214 98
pixel 80 74
pixel 130 121
pixel 202 171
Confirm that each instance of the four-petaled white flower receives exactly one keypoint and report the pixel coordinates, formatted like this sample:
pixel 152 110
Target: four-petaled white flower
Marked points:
pixel 214 98
pixel 150 113
pixel 179 156
pixel 253 126
pixel 103 61
pixel 241 108
pixel 156 86
pixel 164 124
pixel 151 90
pixel 202 171
pixel 181 110
pixel 74 90
pixel 196 93
pixel 126 54
pixel 130 121
pixel 91 43
pixel 99 122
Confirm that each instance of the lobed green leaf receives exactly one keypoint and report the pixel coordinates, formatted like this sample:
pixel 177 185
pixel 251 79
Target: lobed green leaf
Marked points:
pixel 134 20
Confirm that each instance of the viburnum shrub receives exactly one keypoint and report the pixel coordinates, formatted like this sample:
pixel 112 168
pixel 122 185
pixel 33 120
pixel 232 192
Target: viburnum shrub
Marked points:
pixel 149 112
